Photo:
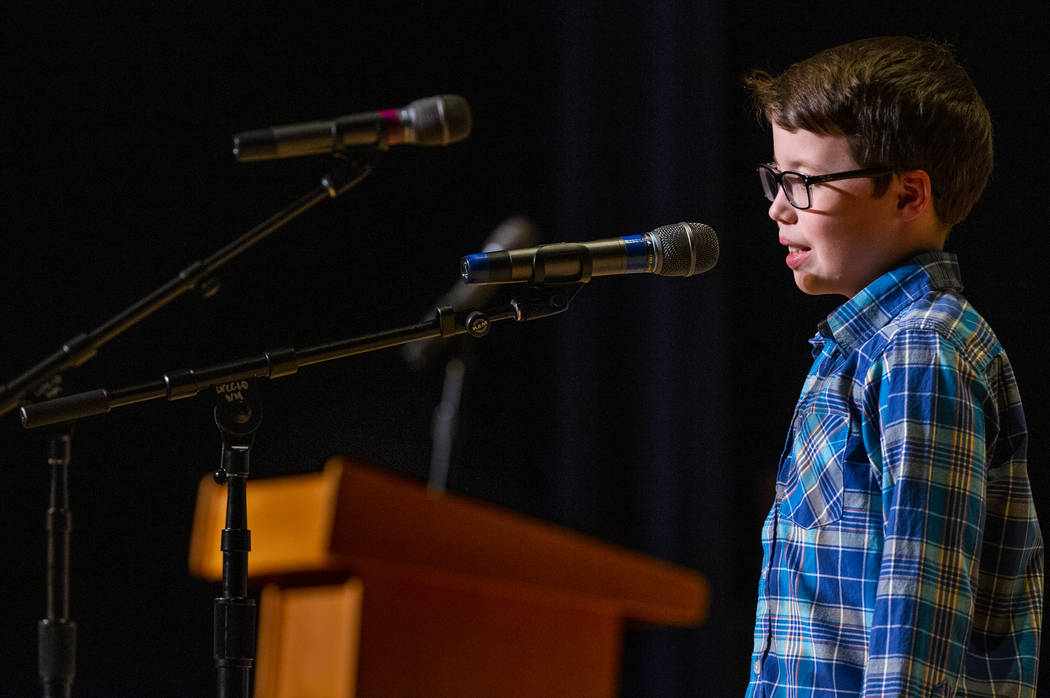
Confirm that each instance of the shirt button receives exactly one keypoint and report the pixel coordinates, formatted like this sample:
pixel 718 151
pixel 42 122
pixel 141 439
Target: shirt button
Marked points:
pixel 758 666
pixel 763 575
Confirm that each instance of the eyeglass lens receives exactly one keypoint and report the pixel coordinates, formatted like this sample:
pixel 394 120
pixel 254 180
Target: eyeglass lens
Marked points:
pixel 794 186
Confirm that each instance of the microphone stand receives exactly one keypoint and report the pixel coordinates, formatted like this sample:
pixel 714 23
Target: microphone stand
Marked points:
pixel 238 417
pixel 237 414
pixel 348 171
pixel 532 303
pixel 444 428
pixel 56 633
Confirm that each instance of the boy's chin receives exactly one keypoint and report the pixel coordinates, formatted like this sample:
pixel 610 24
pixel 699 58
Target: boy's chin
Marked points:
pixel 810 284
pixel 813 285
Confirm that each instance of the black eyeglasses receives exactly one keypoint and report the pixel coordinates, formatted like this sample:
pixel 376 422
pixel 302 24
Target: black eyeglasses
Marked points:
pixel 796 185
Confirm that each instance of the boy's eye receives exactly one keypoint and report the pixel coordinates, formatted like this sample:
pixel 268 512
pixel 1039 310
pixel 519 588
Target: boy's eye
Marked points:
pixel 795 186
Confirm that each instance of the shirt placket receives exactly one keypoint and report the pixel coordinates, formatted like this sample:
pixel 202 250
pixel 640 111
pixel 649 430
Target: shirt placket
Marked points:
pixel 766 575
pixel 825 355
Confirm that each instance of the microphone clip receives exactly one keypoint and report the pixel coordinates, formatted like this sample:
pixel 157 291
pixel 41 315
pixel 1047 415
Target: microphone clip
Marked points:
pixel 351 166
pixel 571 259
pixel 535 302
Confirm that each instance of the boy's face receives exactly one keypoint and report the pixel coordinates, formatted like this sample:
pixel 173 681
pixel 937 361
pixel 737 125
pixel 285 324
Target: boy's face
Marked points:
pixel 847 238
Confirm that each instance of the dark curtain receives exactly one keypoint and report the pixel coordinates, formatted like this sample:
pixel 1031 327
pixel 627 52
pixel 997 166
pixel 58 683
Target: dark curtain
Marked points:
pixel 640 369
pixel 650 414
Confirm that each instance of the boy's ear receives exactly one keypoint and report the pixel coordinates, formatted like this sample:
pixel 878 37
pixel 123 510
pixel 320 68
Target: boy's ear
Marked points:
pixel 915 195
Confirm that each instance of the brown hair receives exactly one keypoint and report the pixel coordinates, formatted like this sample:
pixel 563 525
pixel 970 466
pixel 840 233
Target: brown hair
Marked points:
pixel 901 102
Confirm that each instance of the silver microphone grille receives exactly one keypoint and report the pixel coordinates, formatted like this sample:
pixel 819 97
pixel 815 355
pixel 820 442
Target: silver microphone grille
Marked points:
pixel 439 120
pixel 685 249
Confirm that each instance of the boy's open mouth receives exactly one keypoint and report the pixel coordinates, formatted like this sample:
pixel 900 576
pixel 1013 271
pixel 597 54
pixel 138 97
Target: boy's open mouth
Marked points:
pixel 796 255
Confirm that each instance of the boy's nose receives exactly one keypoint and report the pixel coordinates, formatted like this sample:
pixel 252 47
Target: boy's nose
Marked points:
pixel 781 210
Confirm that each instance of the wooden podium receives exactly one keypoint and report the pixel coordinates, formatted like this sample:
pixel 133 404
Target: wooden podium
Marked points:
pixel 373 587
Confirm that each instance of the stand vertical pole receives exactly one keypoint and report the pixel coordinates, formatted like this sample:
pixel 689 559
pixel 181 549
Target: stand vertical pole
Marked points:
pixel 237 417
pixel 56 633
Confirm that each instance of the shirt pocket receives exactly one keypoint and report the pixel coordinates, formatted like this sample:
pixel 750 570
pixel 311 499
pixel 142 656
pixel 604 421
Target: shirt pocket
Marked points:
pixel 810 487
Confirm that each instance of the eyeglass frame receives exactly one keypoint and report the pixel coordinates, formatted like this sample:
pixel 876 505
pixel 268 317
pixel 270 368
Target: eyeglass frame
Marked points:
pixel 808 180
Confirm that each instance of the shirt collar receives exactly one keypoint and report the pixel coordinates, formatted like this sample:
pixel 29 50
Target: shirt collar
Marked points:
pixel 859 318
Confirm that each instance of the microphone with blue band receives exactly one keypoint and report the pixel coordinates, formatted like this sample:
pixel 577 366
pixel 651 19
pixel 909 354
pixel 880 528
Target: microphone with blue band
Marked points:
pixel 682 249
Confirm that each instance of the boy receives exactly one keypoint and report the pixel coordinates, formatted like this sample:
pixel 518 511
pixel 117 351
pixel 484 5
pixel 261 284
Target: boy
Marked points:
pixel 902 556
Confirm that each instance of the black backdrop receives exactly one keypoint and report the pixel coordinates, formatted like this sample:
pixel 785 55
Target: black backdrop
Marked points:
pixel 650 415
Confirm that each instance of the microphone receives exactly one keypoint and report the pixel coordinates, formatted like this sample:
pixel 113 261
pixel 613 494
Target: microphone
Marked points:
pixel 515 231
pixel 438 120
pixel 682 249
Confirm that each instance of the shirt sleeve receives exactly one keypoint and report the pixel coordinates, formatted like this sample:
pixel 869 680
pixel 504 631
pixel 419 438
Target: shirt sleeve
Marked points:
pixel 925 429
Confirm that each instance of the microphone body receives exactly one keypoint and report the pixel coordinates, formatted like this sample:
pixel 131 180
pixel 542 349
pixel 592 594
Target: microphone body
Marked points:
pixel 683 249
pixel 439 120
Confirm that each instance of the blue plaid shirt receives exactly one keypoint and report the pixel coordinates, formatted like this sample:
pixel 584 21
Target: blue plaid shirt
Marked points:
pixel 902 556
